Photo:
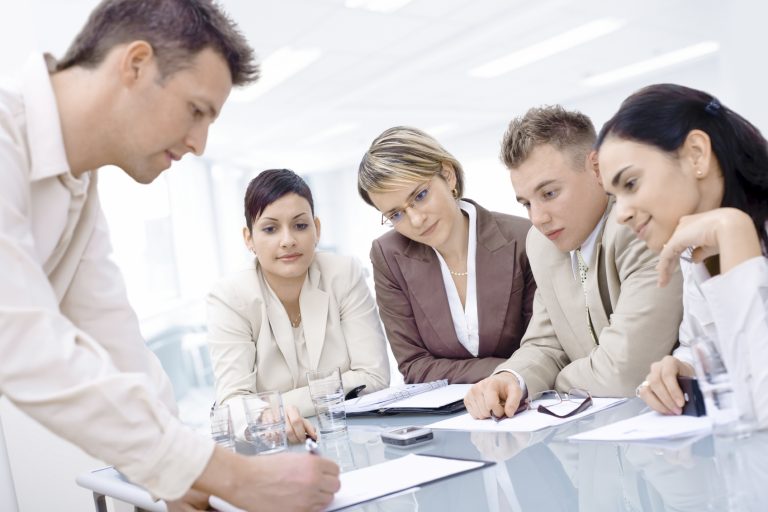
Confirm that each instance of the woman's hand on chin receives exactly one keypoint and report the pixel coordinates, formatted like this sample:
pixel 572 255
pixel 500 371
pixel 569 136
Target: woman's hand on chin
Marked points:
pixel 728 232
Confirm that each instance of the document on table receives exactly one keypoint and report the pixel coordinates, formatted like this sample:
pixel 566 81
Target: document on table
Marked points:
pixel 387 478
pixel 527 421
pixel 435 397
pixel 648 427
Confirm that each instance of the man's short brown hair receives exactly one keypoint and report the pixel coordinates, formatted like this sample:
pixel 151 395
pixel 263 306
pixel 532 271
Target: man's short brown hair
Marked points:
pixel 177 30
pixel 567 130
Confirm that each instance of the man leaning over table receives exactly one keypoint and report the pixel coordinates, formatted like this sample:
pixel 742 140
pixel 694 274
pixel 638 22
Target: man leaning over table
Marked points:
pixel 599 318
pixel 138 89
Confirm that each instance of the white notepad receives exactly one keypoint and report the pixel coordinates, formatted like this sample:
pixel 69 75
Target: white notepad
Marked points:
pixel 647 427
pixel 390 477
pixel 428 395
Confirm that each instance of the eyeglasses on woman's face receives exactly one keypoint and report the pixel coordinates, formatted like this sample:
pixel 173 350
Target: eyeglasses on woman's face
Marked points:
pixel 418 199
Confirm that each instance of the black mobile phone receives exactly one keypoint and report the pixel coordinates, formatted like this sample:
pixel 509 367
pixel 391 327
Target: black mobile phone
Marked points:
pixel 694 400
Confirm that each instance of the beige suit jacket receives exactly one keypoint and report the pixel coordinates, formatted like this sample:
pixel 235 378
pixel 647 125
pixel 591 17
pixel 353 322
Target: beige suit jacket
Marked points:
pixel 636 322
pixel 252 343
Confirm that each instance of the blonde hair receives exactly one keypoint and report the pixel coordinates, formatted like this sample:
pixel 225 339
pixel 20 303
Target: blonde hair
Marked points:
pixel 402 156
pixel 566 130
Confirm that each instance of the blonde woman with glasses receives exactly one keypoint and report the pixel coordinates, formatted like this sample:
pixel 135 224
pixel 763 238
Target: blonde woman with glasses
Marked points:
pixel 453 283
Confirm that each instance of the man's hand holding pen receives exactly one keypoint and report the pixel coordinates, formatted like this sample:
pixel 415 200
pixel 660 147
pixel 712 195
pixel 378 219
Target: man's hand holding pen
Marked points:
pixel 497 396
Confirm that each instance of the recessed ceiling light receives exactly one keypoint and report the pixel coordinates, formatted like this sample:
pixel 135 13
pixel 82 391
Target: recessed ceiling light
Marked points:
pixel 331 132
pixel 275 69
pixel 646 66
pixel 377 5
pixel 547 48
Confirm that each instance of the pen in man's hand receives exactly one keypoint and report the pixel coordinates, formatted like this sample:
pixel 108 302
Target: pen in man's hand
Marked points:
pixel 522 406
pixel 311 446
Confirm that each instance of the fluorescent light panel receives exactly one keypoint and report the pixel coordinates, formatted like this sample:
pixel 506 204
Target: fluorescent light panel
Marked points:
pixel 277 68
pixel 331 132
pixel 547 48
pixel 659 62
pixel 385 6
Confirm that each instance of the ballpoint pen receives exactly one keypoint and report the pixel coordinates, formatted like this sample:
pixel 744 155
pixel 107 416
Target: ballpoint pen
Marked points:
pixel 522 406
pixel 311 446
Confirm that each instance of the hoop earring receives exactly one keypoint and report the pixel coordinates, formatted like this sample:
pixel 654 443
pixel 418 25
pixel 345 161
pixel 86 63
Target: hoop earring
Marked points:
pixel 455 193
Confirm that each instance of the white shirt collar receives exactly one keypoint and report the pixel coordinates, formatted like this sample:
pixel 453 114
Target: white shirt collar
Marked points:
pixel 588 247
pixel 46 142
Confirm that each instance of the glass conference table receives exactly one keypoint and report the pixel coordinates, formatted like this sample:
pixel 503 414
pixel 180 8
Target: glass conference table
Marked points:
pixel 544 471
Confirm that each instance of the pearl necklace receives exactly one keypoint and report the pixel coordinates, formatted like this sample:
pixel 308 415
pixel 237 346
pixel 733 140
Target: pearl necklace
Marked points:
pixel 458 274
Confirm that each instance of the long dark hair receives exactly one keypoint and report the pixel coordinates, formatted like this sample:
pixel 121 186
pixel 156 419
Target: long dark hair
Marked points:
pixel 268 187
pixel 662 115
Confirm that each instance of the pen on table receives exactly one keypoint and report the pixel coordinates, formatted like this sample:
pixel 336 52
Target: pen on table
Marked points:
pixel 522 406
pixel 354 393
pixel 311 446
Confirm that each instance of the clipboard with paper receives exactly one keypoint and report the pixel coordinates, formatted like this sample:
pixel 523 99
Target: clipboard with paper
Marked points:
pixel 437 397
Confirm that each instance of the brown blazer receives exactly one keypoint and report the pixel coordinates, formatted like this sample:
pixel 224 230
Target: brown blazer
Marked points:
pixel 413 303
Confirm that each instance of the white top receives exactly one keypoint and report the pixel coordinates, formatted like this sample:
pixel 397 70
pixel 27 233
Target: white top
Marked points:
pixel 73 357
pixel 732 309
pixel 465 320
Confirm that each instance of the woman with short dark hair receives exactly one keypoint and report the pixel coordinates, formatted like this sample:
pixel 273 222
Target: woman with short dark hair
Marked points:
pixel 294 310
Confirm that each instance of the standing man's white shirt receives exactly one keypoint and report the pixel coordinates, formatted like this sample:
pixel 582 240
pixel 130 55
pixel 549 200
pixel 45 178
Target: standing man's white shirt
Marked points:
pixel 73 356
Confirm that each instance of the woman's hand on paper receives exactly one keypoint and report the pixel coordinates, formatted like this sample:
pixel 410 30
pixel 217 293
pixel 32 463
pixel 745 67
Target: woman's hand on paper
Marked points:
pixel 297 427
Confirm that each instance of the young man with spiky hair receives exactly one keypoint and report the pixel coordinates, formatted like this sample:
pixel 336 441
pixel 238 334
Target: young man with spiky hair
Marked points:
pixel 138 89
pixel 599 319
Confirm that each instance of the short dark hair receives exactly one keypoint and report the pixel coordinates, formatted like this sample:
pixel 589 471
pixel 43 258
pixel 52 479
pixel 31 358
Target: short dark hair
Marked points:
pixel 177 30
pixel 271 185
pixel 566 130
pixel 663 115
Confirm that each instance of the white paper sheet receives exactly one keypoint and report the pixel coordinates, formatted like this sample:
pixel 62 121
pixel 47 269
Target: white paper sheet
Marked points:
pixel 379 480
pixel 649 426
pixel 385 397
pixel 435 398
pixel 527 421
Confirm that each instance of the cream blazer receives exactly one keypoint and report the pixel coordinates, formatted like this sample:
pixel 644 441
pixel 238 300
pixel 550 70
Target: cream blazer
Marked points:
pixel 252 343
pixel 636 322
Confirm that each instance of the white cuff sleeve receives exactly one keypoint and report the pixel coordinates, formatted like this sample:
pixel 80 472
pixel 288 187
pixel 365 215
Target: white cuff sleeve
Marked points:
pixel 519 377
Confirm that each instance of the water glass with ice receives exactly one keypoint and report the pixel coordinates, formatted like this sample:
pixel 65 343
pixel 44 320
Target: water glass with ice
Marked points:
pixel 327 393
pixel 732 415
pixel 266 422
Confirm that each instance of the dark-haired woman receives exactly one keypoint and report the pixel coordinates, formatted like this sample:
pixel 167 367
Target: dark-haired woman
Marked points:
pixel 691 177
pixel 293 310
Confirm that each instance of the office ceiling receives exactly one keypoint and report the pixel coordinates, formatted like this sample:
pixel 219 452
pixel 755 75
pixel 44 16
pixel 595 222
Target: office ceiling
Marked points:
pixel 373 70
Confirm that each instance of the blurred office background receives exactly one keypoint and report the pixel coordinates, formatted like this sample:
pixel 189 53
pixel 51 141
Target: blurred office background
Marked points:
pixel 335 74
